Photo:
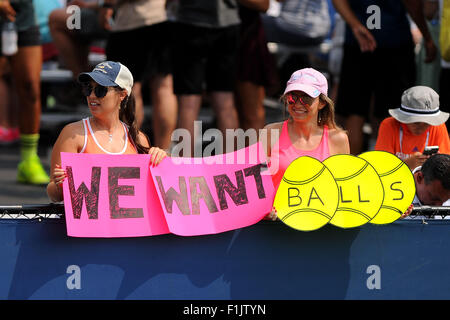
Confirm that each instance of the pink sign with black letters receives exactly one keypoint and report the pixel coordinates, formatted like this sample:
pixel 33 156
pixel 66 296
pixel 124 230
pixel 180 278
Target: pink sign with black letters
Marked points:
pixel 121 196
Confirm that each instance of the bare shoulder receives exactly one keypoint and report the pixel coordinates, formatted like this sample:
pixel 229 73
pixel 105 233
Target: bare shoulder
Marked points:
pixel 71 138
pixel 274 126
pixel 73 131
pixel 338 141
pixel 74 128
pixel 337 135
pixel 273 131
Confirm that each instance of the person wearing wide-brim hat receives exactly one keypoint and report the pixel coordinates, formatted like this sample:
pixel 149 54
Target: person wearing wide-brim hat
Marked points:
pixel 416 124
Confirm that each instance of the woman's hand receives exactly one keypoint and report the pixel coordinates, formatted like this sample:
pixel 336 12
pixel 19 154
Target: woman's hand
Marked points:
pixel 59 175
pixel 7 11
pixel 272 215
pixel 54 188
pixel 156 156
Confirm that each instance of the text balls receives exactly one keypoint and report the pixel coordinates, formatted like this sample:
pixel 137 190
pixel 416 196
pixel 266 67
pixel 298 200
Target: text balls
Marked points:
pixel 312 195
pixel 398 184
pixel 344 190
pixel 360 190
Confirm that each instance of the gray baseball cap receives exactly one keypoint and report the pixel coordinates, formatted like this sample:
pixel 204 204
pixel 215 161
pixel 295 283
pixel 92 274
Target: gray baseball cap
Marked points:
pixel 419 104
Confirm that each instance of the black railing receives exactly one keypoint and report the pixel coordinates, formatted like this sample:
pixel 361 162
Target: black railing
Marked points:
pixel 33 211
pixel 56 211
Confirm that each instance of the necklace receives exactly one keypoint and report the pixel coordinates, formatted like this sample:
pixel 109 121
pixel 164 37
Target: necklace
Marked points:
pixel 110 135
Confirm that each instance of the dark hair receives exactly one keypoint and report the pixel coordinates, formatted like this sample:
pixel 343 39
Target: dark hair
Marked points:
pixel 127 114
pixel 437 167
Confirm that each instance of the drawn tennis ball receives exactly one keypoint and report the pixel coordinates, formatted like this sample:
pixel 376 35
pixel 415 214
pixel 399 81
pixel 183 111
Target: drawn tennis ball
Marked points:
pixel 360 190
pixel 307 196
pixel 398 184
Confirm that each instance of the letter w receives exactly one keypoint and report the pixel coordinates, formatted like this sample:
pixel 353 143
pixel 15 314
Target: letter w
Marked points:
pixel 171 195
pixel 77 196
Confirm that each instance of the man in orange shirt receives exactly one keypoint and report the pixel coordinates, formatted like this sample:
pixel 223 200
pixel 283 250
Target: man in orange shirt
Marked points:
pixel 416 124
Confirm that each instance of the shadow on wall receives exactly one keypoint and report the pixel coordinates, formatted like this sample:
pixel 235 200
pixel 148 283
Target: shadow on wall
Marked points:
pixel 277 262
pixel 265 261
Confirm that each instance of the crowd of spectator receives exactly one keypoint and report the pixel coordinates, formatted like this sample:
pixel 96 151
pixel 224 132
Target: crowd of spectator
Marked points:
pixel 194 51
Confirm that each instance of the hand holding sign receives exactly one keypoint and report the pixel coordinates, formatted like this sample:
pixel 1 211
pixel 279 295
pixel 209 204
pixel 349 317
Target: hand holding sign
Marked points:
pixel 311 193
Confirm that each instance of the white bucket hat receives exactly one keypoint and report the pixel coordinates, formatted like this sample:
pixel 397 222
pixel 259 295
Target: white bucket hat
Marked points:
pixel 420 104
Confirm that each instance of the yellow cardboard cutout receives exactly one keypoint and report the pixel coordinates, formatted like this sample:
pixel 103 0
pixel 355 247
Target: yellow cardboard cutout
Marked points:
pixel 307 196
pixel 361 192
pixel 398 184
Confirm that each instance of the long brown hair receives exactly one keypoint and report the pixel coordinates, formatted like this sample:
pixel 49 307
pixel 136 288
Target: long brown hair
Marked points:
pixel 127 114
pixel 326 114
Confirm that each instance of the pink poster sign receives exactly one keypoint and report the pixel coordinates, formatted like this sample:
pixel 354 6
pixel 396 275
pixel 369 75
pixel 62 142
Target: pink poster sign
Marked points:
pixel 110 196
pixel 121 196
pixel 214 194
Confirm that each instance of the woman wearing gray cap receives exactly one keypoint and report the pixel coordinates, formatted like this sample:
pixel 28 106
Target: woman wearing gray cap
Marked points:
pixel 111 129
pixel 416 124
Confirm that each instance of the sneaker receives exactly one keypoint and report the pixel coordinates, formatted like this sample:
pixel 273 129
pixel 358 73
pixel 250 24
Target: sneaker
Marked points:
pixel 31 172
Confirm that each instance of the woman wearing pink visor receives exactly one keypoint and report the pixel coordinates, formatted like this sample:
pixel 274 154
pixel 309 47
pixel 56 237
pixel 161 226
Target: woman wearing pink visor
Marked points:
pixel 310 130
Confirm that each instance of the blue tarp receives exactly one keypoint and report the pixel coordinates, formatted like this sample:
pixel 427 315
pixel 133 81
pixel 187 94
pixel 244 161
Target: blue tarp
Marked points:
pixel 265 261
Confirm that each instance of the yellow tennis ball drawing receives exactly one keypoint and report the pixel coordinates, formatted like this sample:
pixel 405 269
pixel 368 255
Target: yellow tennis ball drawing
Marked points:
pixel 360 190
pixel 307 196
pixel 398 184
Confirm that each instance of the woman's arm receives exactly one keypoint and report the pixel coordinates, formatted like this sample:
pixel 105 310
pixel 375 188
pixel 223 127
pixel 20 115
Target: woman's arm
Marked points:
pixel 271 133
pixel 69 140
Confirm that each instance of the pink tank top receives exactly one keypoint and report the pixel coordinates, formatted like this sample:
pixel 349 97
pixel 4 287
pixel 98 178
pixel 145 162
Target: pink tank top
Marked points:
pixel 285 152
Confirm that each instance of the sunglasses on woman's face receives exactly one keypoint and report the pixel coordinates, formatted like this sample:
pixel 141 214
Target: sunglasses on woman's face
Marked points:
pixel 99 91
pixel 293 98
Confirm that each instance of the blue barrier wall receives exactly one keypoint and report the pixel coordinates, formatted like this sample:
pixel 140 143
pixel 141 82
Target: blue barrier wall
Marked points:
pixel 265 261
